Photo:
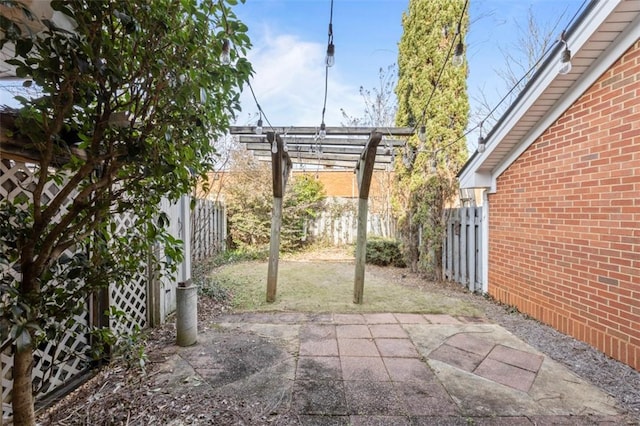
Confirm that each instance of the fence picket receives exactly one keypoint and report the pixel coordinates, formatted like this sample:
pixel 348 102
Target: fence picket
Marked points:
pixel 461 248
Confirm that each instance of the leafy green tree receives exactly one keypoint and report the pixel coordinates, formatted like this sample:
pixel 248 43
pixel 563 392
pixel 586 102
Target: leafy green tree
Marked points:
pixel 431 93
pixel 133 93
pixel 249 200
pixel 302 203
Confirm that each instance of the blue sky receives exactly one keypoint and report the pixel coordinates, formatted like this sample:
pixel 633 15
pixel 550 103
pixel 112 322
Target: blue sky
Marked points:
pixel 289 40
pixel 290 36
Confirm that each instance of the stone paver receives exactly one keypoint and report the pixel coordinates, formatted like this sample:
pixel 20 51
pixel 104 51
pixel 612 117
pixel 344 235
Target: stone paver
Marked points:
pixel 360 331
pixel 505 374
pixel 388 330
pixel 326 397
pixel 426 399
pixel 464 360
pixel 377 398
pixel 319 368
pixel 517 358
pixel 357 347
pixel 364 368
pixel 319 347
pixel 397 348
pixel 408 370
pixel 348 319
pixel 411 318
pixel 470 343
pixel 380 318
pixel 378 369
pixel 442 319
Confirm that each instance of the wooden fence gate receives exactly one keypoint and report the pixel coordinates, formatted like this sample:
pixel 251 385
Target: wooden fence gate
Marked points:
pixel 461 248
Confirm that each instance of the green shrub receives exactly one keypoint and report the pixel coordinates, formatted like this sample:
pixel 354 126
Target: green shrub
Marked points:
pixel 384 252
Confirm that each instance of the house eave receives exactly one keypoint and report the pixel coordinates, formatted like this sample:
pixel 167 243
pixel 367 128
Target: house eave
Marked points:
pixel 601 35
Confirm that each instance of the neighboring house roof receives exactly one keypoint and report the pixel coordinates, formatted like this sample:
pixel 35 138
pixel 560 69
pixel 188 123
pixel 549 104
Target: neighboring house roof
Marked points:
pixel 600 35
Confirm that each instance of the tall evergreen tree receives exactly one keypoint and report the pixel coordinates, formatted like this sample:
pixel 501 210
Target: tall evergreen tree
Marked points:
pixel 431 93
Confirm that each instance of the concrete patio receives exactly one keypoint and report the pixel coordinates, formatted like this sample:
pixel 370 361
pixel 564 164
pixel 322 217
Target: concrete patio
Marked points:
pixel 383 369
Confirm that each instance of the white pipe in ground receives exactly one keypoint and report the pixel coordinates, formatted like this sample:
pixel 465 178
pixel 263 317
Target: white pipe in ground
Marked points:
pixel 186 314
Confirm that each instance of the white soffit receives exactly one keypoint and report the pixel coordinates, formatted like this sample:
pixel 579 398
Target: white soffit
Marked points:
pixel 601 38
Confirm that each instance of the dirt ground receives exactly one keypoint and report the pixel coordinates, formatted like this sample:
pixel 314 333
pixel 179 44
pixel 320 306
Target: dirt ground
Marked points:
pixel 117 396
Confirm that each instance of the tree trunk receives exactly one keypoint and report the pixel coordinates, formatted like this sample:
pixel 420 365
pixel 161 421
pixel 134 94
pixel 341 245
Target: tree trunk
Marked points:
pixel 21 394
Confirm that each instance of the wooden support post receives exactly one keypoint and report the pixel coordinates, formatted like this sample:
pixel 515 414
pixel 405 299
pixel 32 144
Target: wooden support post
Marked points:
pixel 281 166
pixel 365 171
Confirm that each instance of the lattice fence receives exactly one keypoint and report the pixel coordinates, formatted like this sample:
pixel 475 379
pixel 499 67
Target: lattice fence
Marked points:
pixel 59 362
pixel 56 362
pixel 132 297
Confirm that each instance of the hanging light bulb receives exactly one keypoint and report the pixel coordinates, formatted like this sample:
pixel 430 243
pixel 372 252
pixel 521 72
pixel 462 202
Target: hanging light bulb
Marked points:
pixel 422 134
pixel 482 144
pixel 225 55
pixel 323 131
pixel 330 60
pixel 565 61
pixel 565 57
pixel 458 56
pixel 258 128
pixel 274 146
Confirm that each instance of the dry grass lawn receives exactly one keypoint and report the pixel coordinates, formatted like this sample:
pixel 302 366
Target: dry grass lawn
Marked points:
pixel 321 286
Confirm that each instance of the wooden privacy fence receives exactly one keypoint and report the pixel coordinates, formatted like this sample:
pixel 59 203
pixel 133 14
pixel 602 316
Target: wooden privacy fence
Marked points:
pixel 208 229
pixel 461 248
pixel 338 223
pixel 148 299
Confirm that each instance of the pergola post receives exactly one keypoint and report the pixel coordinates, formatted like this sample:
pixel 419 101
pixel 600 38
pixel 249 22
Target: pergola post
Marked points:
pixel 281 166
pixel 364 171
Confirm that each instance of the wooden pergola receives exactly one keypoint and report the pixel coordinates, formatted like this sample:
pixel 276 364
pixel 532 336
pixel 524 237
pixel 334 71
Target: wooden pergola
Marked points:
pixel 363 148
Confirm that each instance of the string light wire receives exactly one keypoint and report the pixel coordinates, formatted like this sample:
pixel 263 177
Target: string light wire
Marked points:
pixel 235 49
pixel 326 67
pixel 442 68
pixel 525 75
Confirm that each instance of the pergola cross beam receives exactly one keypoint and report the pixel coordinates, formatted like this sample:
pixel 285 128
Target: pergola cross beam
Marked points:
pixel 338 148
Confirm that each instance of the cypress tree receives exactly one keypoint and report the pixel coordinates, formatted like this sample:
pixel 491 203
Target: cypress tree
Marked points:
pixel 426 171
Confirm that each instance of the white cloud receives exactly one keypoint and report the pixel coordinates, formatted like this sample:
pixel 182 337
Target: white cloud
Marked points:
pixel 288 81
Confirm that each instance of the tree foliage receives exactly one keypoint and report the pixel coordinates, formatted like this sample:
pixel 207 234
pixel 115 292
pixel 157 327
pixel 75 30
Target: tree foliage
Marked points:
pixel 249 199
pixel 133 93
pixel 426 171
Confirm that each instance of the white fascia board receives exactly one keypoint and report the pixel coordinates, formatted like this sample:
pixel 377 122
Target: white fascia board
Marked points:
pixel 475 180
pixel 604 61
pixel 596 17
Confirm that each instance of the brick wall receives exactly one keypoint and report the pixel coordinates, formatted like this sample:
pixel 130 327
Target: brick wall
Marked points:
pixel 564 241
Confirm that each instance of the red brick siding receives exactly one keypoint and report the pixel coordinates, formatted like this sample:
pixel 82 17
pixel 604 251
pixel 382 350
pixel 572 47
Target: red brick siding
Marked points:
pixel 564 244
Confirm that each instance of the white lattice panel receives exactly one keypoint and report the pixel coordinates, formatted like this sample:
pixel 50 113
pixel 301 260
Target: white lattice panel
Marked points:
pixel 130 298
pixel 6 364
pixel 55 362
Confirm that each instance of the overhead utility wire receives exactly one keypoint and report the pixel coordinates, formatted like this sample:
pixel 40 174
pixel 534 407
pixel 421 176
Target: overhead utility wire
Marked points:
pixel 516 85
pixel 444 64
pixel 235 49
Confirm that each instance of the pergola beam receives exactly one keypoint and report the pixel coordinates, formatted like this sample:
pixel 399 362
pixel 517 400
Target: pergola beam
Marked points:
pixel 294 149
pixel 341 131
pixel 328 141
pixel 327 163
pixel 295 156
